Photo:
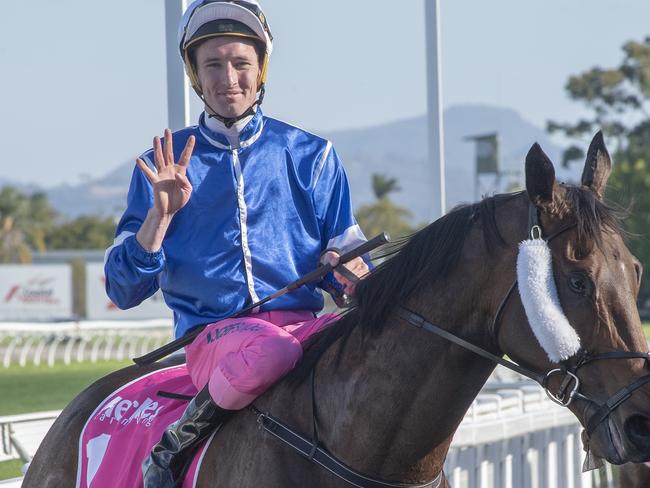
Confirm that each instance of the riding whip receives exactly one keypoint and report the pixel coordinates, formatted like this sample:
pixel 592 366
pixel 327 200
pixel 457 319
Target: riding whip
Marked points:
pixel 315 275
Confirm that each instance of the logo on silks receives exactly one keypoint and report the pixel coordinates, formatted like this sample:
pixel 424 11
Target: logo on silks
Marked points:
pixel 35 290
pixel 229 329
pixel 126 411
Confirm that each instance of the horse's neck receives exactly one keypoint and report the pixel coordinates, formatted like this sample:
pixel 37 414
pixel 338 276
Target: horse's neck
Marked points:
pixel 396 399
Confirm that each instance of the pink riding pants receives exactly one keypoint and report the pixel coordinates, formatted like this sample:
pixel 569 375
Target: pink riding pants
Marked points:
pixel 240 358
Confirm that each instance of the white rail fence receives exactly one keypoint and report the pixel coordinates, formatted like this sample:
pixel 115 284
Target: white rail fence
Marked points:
pixel 513 436
pixel 67 342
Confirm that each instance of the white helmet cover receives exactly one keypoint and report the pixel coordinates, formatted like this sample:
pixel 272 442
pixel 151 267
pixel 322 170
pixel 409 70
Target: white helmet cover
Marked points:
pixel 200 12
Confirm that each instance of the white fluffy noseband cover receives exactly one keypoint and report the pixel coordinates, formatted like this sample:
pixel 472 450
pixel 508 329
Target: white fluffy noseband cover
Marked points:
pixel 541 303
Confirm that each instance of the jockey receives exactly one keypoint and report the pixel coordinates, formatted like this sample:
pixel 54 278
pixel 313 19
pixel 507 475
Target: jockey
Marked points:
pixel 223 213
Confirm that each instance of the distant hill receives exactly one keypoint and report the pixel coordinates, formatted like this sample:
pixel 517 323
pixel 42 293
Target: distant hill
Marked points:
pixel 104 196
pixel 397 149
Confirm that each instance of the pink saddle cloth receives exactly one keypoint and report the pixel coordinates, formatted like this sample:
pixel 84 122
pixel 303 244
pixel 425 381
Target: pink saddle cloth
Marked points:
pixel 120 433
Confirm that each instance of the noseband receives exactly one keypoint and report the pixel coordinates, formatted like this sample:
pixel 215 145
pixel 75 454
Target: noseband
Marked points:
pixel 569 388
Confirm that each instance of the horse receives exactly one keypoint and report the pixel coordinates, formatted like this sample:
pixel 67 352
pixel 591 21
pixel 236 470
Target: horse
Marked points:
pixel 384 395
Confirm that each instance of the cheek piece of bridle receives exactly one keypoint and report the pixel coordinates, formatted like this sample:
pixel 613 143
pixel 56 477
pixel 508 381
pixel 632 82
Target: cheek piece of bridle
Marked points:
pixel 567 372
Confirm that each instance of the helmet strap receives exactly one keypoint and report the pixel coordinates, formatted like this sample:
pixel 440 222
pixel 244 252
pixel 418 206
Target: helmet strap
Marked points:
pixel 230 121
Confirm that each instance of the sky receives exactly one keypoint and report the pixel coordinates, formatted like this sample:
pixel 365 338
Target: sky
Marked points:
pixel 83 85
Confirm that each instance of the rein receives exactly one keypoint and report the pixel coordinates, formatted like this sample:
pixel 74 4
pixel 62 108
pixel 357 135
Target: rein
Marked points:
pixel 570 385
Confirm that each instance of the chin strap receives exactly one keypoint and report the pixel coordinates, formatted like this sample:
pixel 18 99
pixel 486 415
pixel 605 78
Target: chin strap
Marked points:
pixel 230 121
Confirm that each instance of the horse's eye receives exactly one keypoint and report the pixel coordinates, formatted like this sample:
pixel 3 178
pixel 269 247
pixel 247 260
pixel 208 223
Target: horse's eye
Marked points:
pixel 639 271
pixel 580 283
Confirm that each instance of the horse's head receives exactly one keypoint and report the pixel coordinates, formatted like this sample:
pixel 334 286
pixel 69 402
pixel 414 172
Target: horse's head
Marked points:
pixel 599 368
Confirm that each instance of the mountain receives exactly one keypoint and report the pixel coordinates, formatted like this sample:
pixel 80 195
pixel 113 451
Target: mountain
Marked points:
pixel 25 188
pixel 104 196
pixel 397 149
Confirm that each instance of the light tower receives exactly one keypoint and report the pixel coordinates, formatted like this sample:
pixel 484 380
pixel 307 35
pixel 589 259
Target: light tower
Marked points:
pixel 434 107
pixel 178 86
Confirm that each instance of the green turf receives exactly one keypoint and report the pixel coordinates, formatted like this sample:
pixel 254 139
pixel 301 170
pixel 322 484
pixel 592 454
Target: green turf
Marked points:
pixel 39 388
pixel 10 469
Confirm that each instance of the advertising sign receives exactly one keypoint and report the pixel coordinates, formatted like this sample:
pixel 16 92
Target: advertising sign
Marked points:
pixel 100 307
pixel 35 292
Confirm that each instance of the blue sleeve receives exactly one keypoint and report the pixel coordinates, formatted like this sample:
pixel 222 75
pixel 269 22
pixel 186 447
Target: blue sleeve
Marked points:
pixel 339 228
pixel 131 271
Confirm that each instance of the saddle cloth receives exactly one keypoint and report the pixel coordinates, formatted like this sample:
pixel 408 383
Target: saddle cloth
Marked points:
pixel 120 433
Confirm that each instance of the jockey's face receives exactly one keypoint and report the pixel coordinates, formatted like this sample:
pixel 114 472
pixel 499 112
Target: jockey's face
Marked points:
pixel 227 69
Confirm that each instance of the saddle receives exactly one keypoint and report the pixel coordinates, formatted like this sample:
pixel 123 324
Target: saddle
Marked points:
pixel 120 433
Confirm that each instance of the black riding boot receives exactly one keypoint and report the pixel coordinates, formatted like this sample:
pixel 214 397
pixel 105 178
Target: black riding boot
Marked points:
pixel 165 463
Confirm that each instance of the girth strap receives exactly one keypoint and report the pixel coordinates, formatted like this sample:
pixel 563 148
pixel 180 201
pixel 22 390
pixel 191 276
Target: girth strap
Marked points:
pixel 315 453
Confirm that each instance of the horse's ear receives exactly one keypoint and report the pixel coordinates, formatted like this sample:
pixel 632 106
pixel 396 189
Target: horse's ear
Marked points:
pixel 598 166
pixel 540 177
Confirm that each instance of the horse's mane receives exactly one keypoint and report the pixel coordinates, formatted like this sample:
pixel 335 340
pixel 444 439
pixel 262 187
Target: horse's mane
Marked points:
pixel 432 253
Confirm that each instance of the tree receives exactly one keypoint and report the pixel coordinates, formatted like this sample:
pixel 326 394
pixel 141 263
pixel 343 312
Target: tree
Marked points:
pixel 618 103
pixel 28 223
pixel 85 232
pixel 617 99
pixel 384 215
pixel 24 220
pixel 630 185
pixel 12 244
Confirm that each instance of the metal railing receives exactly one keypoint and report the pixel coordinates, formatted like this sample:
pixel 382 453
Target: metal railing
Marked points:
pixel 22 344
pixel 513 436
pixel 22 434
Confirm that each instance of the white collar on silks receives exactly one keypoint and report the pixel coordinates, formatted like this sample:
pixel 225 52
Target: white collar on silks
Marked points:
pixel 541 303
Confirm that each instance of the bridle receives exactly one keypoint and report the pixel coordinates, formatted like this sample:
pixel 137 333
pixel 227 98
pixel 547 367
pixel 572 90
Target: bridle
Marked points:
pixel 569 389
